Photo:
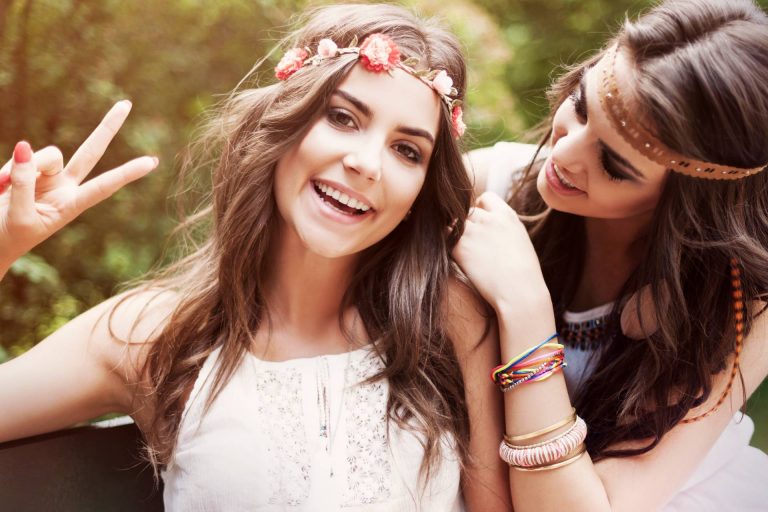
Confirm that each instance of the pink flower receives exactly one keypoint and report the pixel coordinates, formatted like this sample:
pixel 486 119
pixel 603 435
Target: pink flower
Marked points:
pixel 442 83
pixel 457 119
pixel 379 53
pixel 291 62
pixel 326 48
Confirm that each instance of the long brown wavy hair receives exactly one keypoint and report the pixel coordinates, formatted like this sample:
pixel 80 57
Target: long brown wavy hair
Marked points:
pixel 400 286
pixel 701 78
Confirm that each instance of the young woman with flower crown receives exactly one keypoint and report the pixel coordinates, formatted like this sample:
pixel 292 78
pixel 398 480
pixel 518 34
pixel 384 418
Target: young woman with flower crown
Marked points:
pixel 648 216
pixel 308 355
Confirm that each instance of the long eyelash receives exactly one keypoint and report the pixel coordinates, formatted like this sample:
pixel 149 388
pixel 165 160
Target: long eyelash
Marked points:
pixel 333 115
pixel 606 169
pixel 416 159
pixel 578 103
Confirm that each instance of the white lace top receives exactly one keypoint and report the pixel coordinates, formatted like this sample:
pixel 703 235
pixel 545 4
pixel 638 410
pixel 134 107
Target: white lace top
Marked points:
pixel 301 435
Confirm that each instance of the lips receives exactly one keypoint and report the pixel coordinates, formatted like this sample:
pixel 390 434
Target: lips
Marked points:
pixel 337 204
pixel 558 182
pixel 340 200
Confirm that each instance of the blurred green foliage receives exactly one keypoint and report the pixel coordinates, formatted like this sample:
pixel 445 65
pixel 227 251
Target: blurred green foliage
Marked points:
pixel 64 62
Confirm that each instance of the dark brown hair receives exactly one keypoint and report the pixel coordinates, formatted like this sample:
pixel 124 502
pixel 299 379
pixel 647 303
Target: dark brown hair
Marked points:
pixel 399 288
pixel 701 79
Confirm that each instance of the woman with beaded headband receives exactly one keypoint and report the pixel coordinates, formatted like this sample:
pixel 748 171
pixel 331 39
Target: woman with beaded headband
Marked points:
pixel 647 209
pixel 302 357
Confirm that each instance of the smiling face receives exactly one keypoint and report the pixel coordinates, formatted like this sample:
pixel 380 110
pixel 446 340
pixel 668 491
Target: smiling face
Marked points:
pixel 356 173
pixel 591 170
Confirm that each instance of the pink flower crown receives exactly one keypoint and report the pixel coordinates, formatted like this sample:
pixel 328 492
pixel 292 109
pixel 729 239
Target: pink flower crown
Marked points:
pixel 378 53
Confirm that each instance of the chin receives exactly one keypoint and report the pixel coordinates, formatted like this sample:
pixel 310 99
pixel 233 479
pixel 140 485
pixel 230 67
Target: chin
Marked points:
pixel 328 246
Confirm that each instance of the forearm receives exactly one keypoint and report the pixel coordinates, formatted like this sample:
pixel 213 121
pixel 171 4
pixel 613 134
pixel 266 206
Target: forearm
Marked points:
pixel 534 406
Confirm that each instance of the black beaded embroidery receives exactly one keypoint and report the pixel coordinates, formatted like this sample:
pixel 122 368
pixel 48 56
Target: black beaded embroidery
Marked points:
pixel 589 334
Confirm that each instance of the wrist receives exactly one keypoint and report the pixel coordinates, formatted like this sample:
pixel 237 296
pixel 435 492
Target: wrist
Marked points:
pixel 524 306
pixel 523 327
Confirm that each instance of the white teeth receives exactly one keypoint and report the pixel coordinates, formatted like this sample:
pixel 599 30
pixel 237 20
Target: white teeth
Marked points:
pixel 562 178
pixel 342 197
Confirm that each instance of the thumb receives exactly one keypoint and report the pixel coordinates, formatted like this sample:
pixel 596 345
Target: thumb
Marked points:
pixel 23 177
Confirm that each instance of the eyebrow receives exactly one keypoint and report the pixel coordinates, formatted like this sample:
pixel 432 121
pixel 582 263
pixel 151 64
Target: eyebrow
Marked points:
pixel 366 110
pixel 603 146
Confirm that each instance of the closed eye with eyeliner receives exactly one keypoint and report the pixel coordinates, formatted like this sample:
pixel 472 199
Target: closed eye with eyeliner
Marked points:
pixel 613 164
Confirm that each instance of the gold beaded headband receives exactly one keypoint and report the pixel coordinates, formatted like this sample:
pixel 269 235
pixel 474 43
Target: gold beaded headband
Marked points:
pixel 645 142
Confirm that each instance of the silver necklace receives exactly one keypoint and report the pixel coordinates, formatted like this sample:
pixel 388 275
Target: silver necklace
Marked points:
pixel 328 436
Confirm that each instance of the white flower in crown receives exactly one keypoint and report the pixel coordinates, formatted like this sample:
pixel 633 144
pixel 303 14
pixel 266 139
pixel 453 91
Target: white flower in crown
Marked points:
pixel 326 48
pixel 442 83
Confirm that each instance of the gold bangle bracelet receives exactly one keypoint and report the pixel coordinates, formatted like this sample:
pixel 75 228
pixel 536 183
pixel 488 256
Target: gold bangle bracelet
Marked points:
pixel 571 418
pixel 562 463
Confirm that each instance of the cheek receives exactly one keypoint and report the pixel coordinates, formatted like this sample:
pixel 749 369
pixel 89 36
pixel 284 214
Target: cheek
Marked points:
pixel 625 200
pixel 402 189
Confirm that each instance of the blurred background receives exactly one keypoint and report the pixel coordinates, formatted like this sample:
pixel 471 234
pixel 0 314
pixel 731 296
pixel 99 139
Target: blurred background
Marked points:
pixel 63 63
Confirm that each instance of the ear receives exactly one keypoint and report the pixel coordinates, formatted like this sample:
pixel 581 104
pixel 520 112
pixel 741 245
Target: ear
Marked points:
pixel 639 317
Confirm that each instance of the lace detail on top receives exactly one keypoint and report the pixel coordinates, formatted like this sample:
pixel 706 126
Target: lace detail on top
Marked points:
pixel 278 403
pixel 369 476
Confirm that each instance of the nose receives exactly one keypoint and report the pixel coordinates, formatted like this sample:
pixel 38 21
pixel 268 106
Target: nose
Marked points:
pixel 570 144
pixel 365 160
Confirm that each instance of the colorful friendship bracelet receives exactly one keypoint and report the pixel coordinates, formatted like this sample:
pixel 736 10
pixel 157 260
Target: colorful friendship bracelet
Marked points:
pixel 537 374
pixel 541 373
pixel 520 367
pixel 515 360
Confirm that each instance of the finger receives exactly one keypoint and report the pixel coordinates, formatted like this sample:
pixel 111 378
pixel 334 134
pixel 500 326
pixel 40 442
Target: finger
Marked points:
pixel 5 179
pixel 49 161
pixel 477 214
pixel 106 184
pixel 490 201
pixel 23 177
pixel 87 155
pixel 6 169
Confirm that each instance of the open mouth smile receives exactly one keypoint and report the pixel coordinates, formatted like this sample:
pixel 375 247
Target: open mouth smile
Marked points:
pixel 340 201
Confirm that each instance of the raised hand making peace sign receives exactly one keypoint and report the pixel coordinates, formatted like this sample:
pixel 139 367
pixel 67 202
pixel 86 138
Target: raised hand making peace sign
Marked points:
pixel 39 194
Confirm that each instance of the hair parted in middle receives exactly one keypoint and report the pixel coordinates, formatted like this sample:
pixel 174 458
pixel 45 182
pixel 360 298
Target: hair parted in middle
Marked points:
pixel 399 288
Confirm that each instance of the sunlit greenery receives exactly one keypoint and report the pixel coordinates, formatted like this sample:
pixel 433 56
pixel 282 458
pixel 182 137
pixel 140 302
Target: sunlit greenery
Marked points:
pixel 64 62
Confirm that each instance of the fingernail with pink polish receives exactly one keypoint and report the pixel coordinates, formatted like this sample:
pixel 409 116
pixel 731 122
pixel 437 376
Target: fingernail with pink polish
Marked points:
pixel 22 153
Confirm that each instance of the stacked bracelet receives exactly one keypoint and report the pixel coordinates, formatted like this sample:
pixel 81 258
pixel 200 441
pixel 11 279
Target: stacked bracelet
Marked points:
pixel 546 452
pixel 570 460
pixel 523 368
pixel 571 418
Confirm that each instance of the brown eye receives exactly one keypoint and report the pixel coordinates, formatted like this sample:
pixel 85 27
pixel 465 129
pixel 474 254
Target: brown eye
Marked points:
pixel 341 118
pixel 409 152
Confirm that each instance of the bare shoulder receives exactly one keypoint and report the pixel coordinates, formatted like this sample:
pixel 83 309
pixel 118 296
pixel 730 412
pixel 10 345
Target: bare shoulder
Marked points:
pixel 119 333
pixel 496 167
pixel 478 163
pixel 87 368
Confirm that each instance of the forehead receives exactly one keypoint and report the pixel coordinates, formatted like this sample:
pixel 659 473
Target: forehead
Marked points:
pixel 599 122
pixel 399 99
